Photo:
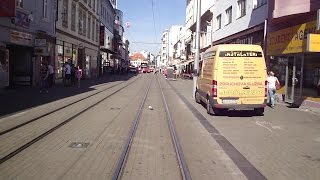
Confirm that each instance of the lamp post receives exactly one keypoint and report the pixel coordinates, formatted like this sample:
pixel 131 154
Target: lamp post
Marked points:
pixel 196 59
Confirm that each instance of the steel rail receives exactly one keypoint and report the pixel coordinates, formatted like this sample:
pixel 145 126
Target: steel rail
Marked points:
pixel 175 139
pixel 38 138
pixel 58 109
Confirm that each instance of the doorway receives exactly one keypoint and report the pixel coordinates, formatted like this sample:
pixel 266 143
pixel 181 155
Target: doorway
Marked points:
pixel 294 76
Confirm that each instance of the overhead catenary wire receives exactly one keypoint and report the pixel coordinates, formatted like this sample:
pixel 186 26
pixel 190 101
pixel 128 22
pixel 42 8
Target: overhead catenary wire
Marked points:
pixel 154 22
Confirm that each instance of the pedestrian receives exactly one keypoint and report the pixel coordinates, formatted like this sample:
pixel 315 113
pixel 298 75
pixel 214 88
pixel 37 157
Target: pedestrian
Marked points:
pixel 73 75
pixel 44 74
pixel 78 75
pixel 318 87
pixel 51 74
pixel 67 70
pixel 273 82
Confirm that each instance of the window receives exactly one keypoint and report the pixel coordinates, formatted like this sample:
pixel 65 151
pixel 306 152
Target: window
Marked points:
pixel 84 23
pixel 97 29
pixel 19 3
pixel 89 3
pixel 258 3
pixel 229 15
pixel 80 21
pixel 73 16
pixel 241 8
pixel 219 22
pixel 94 5
pixel 89 26
pixel 93 25
pixel 65 13
pixel 45 9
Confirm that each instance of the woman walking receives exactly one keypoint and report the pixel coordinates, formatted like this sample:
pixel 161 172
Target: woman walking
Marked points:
pixel 78 75
pixel 272 86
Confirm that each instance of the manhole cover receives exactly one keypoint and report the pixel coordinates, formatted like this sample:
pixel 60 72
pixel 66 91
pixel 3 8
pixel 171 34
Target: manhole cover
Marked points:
pixel 115 108
pixel 79 145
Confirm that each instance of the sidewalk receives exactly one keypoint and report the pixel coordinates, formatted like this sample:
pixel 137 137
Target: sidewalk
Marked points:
pixel 19 98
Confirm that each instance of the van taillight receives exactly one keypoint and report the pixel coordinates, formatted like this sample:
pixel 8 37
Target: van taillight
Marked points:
pixel 265 88
pixel 214 88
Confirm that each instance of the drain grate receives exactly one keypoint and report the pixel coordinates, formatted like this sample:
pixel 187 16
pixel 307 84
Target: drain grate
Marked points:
pixel 79 145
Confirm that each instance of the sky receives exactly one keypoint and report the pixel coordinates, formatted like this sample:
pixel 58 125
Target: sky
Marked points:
pixel 139 14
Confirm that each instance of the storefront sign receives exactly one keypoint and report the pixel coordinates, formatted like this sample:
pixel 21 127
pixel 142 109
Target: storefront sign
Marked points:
pixel 313 43
pixel 290 40
pixel 41 51
pixel 20 38
pixel 40 42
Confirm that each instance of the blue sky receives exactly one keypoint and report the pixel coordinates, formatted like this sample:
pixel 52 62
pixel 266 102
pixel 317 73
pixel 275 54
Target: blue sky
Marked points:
pixel 139 14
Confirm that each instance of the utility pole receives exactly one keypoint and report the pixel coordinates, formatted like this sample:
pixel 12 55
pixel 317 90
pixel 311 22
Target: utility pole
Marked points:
pixel 196 58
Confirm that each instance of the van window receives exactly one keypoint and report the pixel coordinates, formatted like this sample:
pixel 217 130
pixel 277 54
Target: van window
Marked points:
pixel 240 54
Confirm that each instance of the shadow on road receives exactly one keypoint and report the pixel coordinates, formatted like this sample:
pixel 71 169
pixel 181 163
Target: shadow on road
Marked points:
pixel 19 98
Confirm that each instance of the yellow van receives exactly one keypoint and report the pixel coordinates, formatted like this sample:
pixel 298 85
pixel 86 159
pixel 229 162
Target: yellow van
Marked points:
pixel 232 77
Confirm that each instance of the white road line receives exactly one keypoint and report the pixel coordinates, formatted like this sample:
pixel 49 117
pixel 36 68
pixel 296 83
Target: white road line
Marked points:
pixel 260 124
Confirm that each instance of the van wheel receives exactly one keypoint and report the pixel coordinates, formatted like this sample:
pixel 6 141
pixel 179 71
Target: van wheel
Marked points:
pixel 259 111
pixel 197 97
pixel 209 107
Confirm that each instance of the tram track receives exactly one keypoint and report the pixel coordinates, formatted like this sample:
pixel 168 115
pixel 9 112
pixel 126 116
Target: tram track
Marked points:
pixel 64 122
pixel 3 132
pixel 121 164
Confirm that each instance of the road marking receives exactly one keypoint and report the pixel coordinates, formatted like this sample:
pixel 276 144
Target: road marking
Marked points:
pixel 262 125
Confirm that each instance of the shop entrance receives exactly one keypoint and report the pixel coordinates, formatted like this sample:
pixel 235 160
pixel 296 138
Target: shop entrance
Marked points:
pixel 294 76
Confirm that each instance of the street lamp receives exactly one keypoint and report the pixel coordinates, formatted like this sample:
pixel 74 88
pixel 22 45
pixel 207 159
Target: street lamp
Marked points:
pixel 196 59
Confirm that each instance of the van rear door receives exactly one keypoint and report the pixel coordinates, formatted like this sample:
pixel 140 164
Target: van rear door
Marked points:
pixel 241 77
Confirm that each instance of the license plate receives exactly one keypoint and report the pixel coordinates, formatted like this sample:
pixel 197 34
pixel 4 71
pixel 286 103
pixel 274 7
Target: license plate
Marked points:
pixel 229 101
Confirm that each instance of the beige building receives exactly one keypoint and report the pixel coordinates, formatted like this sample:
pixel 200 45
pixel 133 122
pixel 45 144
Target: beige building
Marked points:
pixel 77 32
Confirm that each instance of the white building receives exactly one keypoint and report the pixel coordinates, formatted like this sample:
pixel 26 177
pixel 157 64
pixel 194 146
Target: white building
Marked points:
pixel 145 54
pixel 77 31
pixel 227 21
pixel 240 22
pixel 106 34
pixel 169 38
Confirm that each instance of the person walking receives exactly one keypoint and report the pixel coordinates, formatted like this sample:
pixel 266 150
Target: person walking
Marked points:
pixel 78 75
pixel 73 75
pixel 44 74
pixel 67 70
pixel 273 82
pixel 51 74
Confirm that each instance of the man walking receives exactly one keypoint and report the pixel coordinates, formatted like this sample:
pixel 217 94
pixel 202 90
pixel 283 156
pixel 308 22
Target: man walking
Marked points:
pixel 51 74
pixel 67 70
pixel 272 84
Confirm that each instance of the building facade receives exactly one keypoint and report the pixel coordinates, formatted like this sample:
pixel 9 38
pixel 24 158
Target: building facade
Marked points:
pixel 77 32
pixel 107 19
pixel 293 49
pixel 27 38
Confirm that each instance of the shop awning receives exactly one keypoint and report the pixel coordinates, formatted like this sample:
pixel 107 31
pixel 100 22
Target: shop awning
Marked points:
pixel 107 50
